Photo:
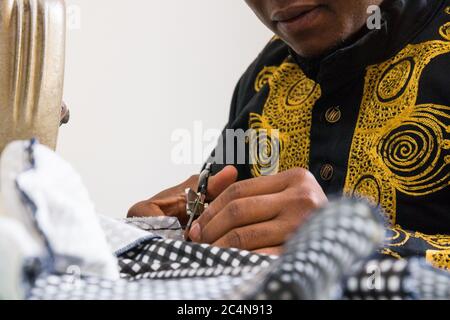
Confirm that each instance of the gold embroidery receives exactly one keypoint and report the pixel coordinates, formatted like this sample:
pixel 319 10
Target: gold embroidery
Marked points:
pixel 447 10
pixel 439 259
pixel 391 253
pixel 288 109
pixel 399 237
pixel 438 241
pixel 444 31
pixel 438 253
pixel 399 146
pixel 263 77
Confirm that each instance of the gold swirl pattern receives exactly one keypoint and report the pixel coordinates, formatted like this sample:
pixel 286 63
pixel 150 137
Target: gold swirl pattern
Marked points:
pixel 263 77
pixel 288 109
pixel 444 31
pixel 265 146
pixel 399 146
pixel 437 241
pixel 398 237
pixel 394 80
pixel 415 151
pixel 438 252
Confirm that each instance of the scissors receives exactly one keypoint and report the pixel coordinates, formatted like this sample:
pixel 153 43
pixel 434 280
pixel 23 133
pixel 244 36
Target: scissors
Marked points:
pixel 196 201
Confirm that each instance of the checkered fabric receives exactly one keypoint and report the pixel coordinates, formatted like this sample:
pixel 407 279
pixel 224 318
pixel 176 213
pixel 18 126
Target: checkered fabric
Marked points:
pixel 379 279
pixel 331 247
pixel 427 282
pixel 163 259
pixel 391 279
pixel 319 256
pixel 201 288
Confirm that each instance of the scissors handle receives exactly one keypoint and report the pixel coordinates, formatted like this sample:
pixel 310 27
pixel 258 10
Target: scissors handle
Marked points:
pixel 198 205
pixel 204 180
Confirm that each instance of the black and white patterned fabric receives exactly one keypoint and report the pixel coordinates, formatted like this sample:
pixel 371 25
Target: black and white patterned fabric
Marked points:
pixel 164 259
pixel 315 261
pixel 427 282
pixel 320 254
pixel 379 279
pixel 334 245
pixel 392 279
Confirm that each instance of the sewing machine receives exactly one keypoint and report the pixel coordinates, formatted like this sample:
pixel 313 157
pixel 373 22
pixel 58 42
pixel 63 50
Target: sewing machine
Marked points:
pixel 32 54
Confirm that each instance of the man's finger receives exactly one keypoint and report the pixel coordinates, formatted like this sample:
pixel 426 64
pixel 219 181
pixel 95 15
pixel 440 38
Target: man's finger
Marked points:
pixel 243 189
pixel 272 251
pixel 173 206
pixel 239 213
pixel 257 236
pixel 145 209
pixel 221 181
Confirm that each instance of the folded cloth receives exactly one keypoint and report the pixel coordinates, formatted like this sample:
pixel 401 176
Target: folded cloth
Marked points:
pixel 123 237
pixel 22 260
pixel 46 195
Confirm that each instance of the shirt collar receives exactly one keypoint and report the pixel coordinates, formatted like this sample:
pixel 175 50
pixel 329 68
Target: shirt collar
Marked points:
pixel 402 20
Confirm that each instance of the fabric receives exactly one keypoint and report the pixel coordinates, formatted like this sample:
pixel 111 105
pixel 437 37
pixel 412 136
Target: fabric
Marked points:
pixel 312 267
pixel 17 249
pixel 327 259
pixel 369 120
pixel 159 259
pixel 166 227
pixel 393 279
pixel 44 193
pixel 121 237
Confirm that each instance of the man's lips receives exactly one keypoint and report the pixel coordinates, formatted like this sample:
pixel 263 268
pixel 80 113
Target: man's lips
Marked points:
pixel 292 13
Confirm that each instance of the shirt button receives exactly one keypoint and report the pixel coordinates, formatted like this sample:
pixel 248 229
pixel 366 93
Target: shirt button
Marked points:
pixel 327 172
pixel 333 115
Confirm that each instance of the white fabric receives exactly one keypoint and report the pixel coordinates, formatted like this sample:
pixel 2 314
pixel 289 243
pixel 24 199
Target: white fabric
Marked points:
pixel 49 195
pixel 16 246
pixel 121 236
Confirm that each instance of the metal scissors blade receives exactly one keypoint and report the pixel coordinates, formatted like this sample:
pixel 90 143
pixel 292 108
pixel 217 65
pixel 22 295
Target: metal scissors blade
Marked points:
pixel 196 201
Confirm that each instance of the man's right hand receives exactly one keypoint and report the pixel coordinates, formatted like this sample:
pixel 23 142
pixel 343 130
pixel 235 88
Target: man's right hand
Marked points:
pixel 172 202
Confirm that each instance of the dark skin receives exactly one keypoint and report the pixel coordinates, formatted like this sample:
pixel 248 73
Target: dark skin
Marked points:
pixel 313 27
pixel 260 214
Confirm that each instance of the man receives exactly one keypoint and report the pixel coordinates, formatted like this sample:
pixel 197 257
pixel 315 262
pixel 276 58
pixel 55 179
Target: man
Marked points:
pixel 359 111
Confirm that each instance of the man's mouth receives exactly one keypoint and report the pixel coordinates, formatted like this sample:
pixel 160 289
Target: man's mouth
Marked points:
pixel 298 17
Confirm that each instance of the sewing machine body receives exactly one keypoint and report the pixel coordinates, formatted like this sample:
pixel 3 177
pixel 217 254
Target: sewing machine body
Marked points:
pixel 32 54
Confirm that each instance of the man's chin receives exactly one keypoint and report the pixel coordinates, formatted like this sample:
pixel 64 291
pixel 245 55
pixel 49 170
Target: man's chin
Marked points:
pixel 313 48
pixel 311 51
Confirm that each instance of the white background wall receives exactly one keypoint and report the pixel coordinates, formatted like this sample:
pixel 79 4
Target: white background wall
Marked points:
pixel 136 71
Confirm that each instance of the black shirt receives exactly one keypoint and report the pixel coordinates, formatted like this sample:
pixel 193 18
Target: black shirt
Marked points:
pixel 371 119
